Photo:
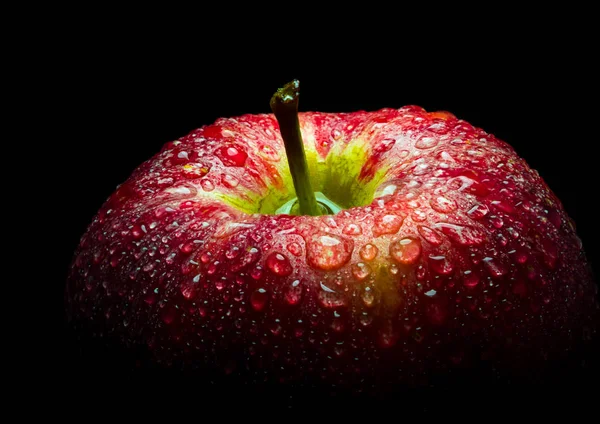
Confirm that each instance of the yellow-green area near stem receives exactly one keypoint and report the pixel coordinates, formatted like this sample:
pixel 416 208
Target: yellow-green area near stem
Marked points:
pixel 336 176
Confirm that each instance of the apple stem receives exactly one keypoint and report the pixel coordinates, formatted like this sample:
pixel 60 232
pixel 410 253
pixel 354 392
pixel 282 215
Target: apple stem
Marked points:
pixel 284 105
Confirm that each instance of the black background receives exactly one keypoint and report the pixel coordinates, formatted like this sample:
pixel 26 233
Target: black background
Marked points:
pixel 126 87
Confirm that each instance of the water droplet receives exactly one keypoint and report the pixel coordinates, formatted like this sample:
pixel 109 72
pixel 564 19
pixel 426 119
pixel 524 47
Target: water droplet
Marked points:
pixel 385 146
pixel 137 232
pixel 421 169
pixel 504 206
pixel 478 211
pixel 187 291
pixel 329 298
pixel 212 268
pixel 168 314
pixel 229 181
pixel 442 204
pixel 406 250
pixel 430 293
pixel 187 248
pixel 441 264
pixel 554 217
pixel 268 153
pixel 470 279
pixel 293 294
pixel 182 156
pixel 232 156
pixel 418 215
pixel 166 182
pixel 361 271
pixel 468 185
pixel 232 252
pixel 279 265
pixel 496 221
pixel 426 143
pixel 98 256
pixel 337 325
pixel 388 190
pixel 276 329
pixel 387 224
pixel 205 257
pixel 462 234
pixel 352 230
pixel 325 288
pixel 162 211
pixel 368 252
pixel 328 252
pixel 387 336
pixel 430 235
pixel 495 268
pixel 257 272
pixel 207 184
pixel 368 297
pixel 521 256
pixel 258 299
pixel 294 248
pixel 365 320
pixel 181 190
pixel 501 239
pixel 250 255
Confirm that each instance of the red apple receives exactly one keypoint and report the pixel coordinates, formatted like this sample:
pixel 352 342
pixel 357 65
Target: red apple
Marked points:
pixel 439 249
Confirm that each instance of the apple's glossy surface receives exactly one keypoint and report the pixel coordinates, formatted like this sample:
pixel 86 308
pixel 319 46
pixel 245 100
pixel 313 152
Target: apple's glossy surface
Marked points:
pixel 450 252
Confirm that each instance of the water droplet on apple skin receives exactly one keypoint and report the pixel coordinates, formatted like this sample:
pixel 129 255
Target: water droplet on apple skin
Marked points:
pixel 332 300
pixel 368 297
pixel 443 204
pixel 387 336
pixel 406 250
pixel 328 252
pixel 360 271
pixel 279 264
pixel 259 299
pixel 352 230
pixel 471 279
pixel 463 235
pixel 368 252
pixel 418 215
pixel 293 293
pixel 426 142
pixel 232 155
pixel 494 267
pixel 478 211
pixel 207 185
pixel 387 224
pixel 430 235
pixel 257 272
pixel 441 264
pixel 168 314
pixel 294 248
pixel 229 181
pixel 496 221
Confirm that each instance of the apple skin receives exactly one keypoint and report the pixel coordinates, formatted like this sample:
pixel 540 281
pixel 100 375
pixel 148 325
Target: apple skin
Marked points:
pixel 452 252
